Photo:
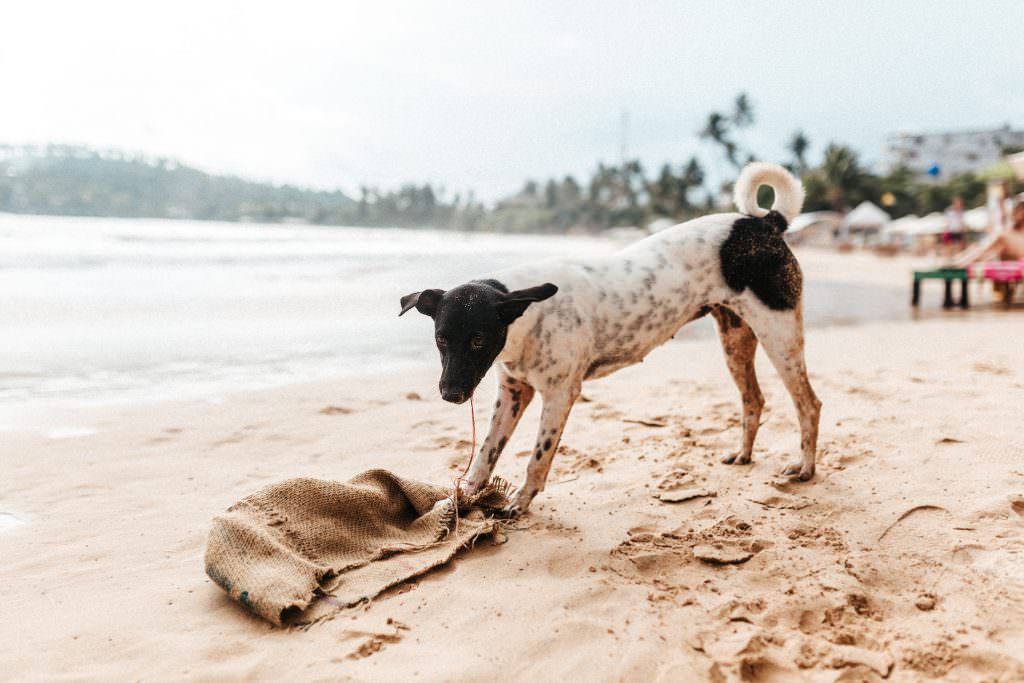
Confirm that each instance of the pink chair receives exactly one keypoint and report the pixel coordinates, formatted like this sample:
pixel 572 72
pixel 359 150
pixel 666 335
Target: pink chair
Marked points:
pixel 1004 271
pixel 1005 275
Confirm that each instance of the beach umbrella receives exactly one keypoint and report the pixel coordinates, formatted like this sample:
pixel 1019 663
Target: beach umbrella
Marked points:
pixel 977 219
pixel 866 216
pixel 815 219
pixel 934 223
pixel 902 226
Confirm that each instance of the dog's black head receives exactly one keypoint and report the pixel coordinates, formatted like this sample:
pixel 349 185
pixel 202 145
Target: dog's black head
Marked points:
pixel 470 326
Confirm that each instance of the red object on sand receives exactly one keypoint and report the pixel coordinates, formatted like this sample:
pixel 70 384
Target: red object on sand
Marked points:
pixel 1001 271
pixel 1005 275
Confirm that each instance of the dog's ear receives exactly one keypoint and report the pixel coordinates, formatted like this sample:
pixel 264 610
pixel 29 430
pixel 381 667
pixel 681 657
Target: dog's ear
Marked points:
pixel 514 304
pixel 425 302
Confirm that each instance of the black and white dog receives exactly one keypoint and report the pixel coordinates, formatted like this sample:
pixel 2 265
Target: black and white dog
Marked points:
pixel 552 325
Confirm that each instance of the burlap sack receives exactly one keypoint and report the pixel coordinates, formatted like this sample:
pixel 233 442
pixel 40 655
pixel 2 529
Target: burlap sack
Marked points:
pixel 278 549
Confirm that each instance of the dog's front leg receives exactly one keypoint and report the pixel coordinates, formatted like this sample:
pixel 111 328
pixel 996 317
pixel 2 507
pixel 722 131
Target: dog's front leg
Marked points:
pixel 513 397
pixel 557 405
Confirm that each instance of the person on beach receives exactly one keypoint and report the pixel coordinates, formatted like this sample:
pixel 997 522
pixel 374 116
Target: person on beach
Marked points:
pixel 954 234
pixel 1006 246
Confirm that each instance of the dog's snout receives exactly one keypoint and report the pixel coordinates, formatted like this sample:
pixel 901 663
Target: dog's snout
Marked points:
pixel 454 394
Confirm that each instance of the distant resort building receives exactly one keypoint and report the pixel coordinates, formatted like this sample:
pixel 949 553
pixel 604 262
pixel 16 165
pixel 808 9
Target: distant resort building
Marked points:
pixel 941 156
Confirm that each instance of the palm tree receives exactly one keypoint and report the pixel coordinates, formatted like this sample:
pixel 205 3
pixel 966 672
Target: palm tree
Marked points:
pixel 663 192
pixel 743 111
pixel 717 130
pixel 798 146
pixel 693 173
pixel 691 178
pixel 569 192
pixel 632 178
pixel 551 194
pixel 842 175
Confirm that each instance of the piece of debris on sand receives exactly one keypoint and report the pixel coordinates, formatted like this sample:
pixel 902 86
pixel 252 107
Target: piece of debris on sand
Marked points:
pixel 653 422
pixel 682 495
pixel 722 553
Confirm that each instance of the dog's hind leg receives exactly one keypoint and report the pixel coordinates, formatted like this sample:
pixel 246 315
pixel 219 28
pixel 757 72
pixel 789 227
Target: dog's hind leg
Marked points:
pixel 740 345
pixel 782 335
pixel 513 397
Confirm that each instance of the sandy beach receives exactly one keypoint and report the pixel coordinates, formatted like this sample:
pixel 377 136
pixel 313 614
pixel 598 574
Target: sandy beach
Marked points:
pixel 902 559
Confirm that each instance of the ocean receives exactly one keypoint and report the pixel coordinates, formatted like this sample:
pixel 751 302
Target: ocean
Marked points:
pixel 101 310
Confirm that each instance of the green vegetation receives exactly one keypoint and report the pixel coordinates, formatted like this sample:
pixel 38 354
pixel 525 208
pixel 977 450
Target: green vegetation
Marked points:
pixel 841 183
pixel 623 195
pixel 75 181
pixel 78 181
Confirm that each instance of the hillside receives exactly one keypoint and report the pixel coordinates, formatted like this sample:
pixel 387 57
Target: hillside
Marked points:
pixel 76 181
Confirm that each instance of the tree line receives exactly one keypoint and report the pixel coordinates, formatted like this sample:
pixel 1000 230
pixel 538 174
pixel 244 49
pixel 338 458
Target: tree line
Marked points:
pixel 78 181
pixel 625 195
pixel 67 180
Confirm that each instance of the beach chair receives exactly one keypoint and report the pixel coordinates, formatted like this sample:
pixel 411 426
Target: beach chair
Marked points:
pixel 948 276
pixel 1005 276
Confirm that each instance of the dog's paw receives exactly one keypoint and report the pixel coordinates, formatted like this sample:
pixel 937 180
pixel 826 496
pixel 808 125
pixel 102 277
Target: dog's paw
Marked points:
pixel 510 511
pixel 519 502
pixel 737 459
pixel 799 471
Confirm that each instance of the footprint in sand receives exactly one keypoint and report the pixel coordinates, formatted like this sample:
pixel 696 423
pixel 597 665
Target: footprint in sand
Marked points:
pixel 567 563
pixel 723 552
pixel 992 368
pixel 571 461
pixel 375 642
pixel 234 438
pixel 921 521
pixel 458 462
pixel 655 556
pixel 603 411
pixel 1017 503
pixel 674 480
pixel 770 499
pixel 448 442
pixel 335 410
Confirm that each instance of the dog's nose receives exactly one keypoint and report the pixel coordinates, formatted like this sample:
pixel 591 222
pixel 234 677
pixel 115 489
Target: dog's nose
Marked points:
pixel 453 395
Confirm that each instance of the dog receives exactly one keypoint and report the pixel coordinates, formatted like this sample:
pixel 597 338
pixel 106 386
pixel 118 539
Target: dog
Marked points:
pixel 551 326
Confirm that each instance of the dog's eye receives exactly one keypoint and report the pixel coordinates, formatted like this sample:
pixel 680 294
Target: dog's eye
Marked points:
pixel 476 342
pixel 441 341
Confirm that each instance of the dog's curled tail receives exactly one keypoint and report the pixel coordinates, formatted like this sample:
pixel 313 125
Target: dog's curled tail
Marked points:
pixel 789 193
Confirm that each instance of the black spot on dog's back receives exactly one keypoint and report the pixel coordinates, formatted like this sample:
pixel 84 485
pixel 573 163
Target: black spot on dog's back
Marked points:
pixel 755 256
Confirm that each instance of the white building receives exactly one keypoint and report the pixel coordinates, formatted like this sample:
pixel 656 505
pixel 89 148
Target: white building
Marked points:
pixel 944 155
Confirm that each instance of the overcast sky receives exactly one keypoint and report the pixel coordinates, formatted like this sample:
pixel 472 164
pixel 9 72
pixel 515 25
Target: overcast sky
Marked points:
pixel 484 94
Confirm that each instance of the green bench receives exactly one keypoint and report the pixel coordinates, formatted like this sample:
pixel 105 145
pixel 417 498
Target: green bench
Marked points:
pixel 947 275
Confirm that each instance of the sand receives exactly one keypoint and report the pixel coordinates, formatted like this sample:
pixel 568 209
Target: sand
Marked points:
pixel 902 558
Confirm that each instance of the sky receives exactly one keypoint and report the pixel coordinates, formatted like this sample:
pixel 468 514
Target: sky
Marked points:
pixel 484 95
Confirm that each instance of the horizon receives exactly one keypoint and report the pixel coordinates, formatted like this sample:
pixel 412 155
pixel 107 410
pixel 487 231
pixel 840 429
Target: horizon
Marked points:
pixel 395 100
